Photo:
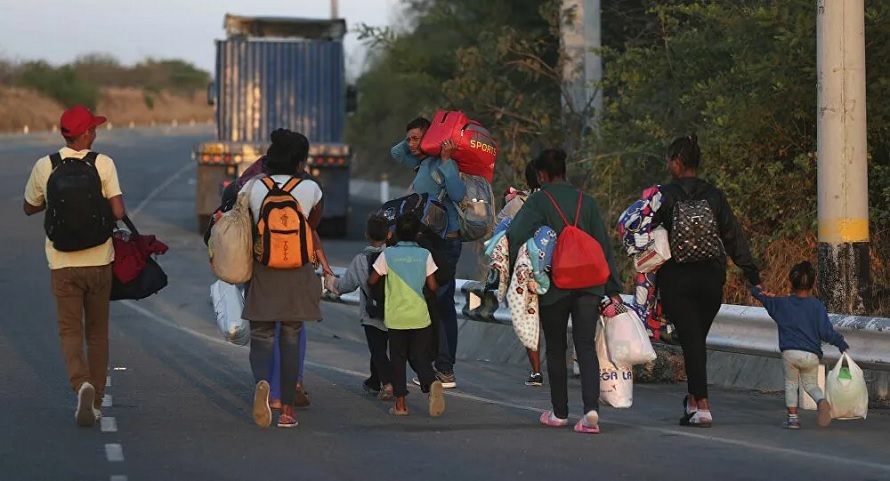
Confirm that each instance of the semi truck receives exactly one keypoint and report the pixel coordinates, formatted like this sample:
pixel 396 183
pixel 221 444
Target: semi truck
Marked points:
pixel 276 72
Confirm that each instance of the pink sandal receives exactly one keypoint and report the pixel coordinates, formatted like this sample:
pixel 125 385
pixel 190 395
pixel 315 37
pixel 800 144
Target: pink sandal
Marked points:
pixel 548 419
pixel 589 424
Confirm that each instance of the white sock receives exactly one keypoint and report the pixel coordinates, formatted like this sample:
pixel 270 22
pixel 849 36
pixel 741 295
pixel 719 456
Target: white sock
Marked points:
pixel 703 415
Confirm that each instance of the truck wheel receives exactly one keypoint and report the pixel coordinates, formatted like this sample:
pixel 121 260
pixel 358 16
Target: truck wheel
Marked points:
pixel 203 223
pixel 334 227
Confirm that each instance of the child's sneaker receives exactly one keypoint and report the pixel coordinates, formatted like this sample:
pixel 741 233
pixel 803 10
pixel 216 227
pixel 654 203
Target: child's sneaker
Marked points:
pixel 369 390
pixel 549 419
pixel 387 393
pixel 535 379
pixel 824 410
pixel 287 418
pixel 791 422
pixel 589 423
pixel 437 399
pixel 400 408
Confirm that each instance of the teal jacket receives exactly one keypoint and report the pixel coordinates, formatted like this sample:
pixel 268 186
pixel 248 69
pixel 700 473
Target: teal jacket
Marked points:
pixel 539 211
pixel 454 189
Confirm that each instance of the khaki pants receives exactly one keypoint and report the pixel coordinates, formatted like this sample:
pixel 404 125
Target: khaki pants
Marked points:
pixel 82 302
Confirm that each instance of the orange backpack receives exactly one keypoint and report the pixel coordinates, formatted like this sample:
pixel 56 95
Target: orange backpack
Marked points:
pixel 284 239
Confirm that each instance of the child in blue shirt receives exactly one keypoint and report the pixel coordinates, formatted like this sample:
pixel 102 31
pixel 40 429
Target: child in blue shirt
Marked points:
pixel 803 327
pixel 356 277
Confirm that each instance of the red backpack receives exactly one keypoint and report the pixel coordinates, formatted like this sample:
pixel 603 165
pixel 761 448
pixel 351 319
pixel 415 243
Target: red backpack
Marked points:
pixel 578 259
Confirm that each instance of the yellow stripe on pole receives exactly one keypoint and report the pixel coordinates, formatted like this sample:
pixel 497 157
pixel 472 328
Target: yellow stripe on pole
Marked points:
pixel 843 230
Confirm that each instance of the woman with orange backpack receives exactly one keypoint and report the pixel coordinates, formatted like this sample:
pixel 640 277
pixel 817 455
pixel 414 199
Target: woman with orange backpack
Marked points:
pixel 283 288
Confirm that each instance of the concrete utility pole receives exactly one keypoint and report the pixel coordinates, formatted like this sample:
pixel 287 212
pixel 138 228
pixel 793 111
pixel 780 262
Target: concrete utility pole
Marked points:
pixel 580 32
pixel 842 169
pixel 335 9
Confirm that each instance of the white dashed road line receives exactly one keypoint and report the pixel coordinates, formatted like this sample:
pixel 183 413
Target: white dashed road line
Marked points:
pixel 118 478
pixel 114 452
pixel 106 401
pixel 109 425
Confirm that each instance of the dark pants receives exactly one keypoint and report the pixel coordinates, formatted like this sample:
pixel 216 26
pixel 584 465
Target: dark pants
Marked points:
pixel 691 303
pixel 262 352
pixel 446 327
pixel 584 309
pixel 82 303
pixel 412 346
pixel 381 367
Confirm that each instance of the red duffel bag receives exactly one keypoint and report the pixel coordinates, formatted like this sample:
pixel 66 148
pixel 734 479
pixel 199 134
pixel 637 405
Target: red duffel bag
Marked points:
pixel 476 150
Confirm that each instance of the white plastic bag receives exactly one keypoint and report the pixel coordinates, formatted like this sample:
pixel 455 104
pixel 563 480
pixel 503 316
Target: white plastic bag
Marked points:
pixel 627 340
pixel 846 391
pixel 657 252
pixel 616 383
pixel 228 302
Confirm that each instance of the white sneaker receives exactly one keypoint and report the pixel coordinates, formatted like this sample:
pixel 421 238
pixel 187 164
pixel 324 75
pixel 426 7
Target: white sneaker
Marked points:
pixel 84 415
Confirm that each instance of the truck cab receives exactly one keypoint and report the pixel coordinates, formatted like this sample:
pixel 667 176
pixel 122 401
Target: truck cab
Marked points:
pixel 276 72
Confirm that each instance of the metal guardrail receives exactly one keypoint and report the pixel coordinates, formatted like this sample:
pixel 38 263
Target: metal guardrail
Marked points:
pixel 737 329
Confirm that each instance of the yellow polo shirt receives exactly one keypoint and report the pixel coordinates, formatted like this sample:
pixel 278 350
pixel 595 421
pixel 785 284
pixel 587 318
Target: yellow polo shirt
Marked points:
pixel 35 192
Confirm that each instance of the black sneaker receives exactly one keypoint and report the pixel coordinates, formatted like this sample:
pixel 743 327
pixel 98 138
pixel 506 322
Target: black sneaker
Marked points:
pixel 535 379
pixel 447 379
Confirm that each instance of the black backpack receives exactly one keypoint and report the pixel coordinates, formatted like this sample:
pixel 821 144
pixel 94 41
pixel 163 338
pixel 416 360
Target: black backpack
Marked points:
pixel 375 294
pixel 78 216
pixel 695 235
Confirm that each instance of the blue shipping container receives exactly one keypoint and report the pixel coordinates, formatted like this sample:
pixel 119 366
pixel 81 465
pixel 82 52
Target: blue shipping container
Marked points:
pixel 266 84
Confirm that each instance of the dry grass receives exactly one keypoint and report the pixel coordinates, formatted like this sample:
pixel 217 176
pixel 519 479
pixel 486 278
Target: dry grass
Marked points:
pixel 779 256
pixel 22 107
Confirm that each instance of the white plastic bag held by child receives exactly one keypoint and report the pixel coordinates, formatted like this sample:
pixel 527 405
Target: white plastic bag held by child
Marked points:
pixel 626 338
pixel 846 391
pixel 228 302
pixel 616 383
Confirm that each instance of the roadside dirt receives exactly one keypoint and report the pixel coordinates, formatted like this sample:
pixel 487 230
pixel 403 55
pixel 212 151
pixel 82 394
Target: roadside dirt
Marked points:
pixel 22 107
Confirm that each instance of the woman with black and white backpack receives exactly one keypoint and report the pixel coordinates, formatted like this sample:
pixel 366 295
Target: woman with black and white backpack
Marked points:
pixel 703 230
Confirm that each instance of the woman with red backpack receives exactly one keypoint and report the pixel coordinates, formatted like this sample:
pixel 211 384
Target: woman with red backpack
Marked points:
pixel 583 273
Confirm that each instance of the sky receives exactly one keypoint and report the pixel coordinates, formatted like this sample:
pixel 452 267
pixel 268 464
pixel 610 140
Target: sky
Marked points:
pixel 60 30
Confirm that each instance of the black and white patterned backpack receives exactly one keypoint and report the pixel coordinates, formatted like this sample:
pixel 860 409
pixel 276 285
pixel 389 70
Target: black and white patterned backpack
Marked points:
pixel 695 235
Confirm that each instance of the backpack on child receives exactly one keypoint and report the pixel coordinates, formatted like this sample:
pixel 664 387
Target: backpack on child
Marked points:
pixel 78 216
pixel 374 302
pixel 284 238
pixel 694 236
pixel 578 259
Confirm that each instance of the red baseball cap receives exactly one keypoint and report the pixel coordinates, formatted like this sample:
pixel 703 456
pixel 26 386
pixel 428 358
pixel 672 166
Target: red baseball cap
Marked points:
pixel 77 120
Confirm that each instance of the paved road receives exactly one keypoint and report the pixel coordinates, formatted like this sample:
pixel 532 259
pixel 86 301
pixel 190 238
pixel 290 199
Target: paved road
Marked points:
pixel 179 395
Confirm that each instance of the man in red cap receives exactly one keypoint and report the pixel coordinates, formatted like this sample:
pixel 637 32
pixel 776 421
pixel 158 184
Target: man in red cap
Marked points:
pixel 80 193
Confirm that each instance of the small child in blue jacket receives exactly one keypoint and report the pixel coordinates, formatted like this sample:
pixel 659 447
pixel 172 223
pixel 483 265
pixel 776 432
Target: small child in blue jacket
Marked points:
pixel 803 327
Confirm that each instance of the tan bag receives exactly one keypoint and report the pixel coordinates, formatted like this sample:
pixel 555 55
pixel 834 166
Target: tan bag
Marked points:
pixel 231 242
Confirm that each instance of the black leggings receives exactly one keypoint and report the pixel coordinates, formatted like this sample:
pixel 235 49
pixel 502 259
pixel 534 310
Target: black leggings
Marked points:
pixel 691 303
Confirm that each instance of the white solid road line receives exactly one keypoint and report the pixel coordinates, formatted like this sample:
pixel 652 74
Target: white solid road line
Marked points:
pixel 114 452
pixel 666 431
